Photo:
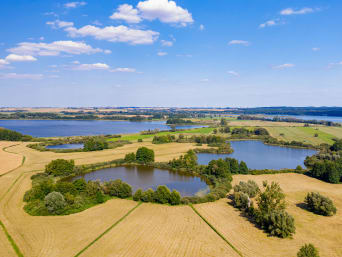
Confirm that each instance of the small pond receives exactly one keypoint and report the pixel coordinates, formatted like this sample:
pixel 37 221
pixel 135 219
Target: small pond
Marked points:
pixel 65 146
pixel 148 177
pixel 257 155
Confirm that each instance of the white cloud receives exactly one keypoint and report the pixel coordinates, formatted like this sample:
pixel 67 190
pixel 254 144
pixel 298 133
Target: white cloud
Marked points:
pixel 54 48
pixel 164 10
pixel 123 70
pixel 233 73
pixel 115 34
pixel 21 76
pixel 74 4
pixel 315 49
pixel 161 53
pixel 107 51
pixel 184 55
pixel 331 65
pixel 204 80
pixel 93 66
pixel 20 58
pixel 60 24
pixel 290 11
pixel 96 22
pixel 166 43
pixel 201 27
pixel 127 13
pixel 269 23
pixel 283 66
pixel 239 42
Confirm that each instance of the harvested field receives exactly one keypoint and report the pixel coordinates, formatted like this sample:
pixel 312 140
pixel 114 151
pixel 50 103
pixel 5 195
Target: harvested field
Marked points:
pixel 5 246
pixel 260 123
pixel 335 131
pixel 323 232
pixel 8 161
pixel 156 230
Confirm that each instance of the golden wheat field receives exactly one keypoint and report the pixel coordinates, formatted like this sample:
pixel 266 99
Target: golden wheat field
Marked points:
pixel 8 161
pixel 323 232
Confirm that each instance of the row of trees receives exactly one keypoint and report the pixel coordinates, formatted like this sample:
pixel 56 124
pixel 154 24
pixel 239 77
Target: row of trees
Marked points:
pixel 143 155
pixel 161 195
pixel 11 135
pixel 95 144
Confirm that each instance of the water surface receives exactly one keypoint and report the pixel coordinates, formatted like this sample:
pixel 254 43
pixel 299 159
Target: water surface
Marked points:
pixel 147 177
pixel 257 155
pixel 60 128
pixel 65 146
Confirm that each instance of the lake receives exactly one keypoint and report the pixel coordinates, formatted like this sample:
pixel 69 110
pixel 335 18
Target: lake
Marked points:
pixel 65 146
pixel 64 128
pixel 257 155
pixel 147 177
pixel 310 117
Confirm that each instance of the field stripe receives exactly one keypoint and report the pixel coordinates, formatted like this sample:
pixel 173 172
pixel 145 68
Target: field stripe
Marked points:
pixel 10 239
pixel 22 162
pixel 108 229
pixel 218 233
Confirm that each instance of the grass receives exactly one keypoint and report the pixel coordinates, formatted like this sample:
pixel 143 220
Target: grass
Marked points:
pixel 213 228
pixel 321 134
pixel 107 230
pixel 10 239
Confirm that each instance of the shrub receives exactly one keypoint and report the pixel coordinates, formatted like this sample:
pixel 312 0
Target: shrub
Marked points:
pixel 243 168
pixel 69 198
pixel 148 195
pixel 92 188
pixel 95 144
pixel 308 250
pixel 54 202
pixel 162 195
pixel 218 168
pixel 175 198
pixel 99 197
pixel 145 155
pixel 138 195
pixel 272 199
pixel 65 187
pixel 241 200
pixel 140 140
pixel 130 157
pixel 80 184
pixel 60 167
pixel 280 223
pixel 250 188
pixel 320 204
pixel 118 188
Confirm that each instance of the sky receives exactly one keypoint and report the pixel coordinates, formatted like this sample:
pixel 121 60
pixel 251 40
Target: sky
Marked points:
pixel 182 53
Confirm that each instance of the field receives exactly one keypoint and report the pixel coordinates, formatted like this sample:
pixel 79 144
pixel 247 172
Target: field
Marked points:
pixel 8 160
pixel 323 232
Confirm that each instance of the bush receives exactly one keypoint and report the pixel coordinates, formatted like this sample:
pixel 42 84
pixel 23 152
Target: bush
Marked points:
pixel 308 250
pixel 99 197
pixel 250 188
pixel 145 155
pixel 60 167
pixel 140 140
pixel 92 188
pixel 54 202
pixel 138 195
pixel 69 198
pixel 241 200
pixel 175 198
pixel 130 157
pixel 95 144
pixel 218 168
pixel 10 135
pixel 162 195
pixel 148 195
pixel 118 188
pixel 65 187
pixel 272 199
pixel 320 204
pixel 280 223
pixel 243 168
pixel 80 184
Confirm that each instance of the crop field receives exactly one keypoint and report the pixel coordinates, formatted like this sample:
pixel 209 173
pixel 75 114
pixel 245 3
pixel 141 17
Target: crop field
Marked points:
pixel 260 123
pixel 323 232
pixel 8 161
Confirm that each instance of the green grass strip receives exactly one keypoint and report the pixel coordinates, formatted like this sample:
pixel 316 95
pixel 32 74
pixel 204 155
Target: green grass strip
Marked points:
pixel 218 233
pixel 107 230
pixel 10 239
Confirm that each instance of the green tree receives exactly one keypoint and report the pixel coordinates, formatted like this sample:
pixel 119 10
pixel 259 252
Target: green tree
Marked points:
pixel 60 167
pixel 145 155
pixel 272 199
pixel 281 224
pixel 243 168
pixel 233 164
pixel 130 157
pixel 80 184
pixel 162 195
pixel 320 204
pixel 54 202
pixel 218 168
pixel 308 250
pixel 148 195
pixel 337 146
pixel 95 144
pixel 175 197
pixel 138 195
pixel 99 197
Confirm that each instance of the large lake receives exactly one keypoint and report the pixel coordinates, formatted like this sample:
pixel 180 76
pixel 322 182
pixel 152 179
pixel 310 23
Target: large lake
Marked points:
pixel 147 177
pixel 60 128
pixel 309 117
pixel 257 155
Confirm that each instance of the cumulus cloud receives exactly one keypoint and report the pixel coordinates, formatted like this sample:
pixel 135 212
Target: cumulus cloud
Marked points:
pixel 60 24
pixel 283 66
pixel 166 43
pixel 123 70
pixel 233 73
pixel 21 76
pixel 115 34
pixel 74 4
pixel 204 80
pixel 239 42
pixel 331 65
pixel 161 53
pixel 290 11
pixel 93 66
pixel 269 23
pixel 127 13
pixel 20 58
pixel 54 48
pixel 164 10
pixel 315 49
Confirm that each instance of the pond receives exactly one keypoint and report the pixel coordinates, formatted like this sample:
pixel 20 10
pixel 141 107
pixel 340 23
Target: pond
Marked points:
pixel 257 155
pixel 65 146
pixel 61 128
pixel 148 177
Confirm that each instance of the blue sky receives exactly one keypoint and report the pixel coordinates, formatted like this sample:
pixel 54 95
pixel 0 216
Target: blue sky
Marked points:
pixel 238 53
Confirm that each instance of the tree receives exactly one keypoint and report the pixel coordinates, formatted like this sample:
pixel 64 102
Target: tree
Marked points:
pixel 148 195
pixel 175 197
pixel 241 200
pixel 60 167
pixel 320 204
pixel 99 197
pixel 280 223
pixel 95 144
pixel 337 146
pixel 145 155
pixel 162 195
pixel 80 184
pixel 308 250
pixel 138 195
pixel 243 168
pixel 234 165
pixel 54 202
pixel 65 187
pixel 130 157
pixel 272 199
pixel 218 168
pixel 250 188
